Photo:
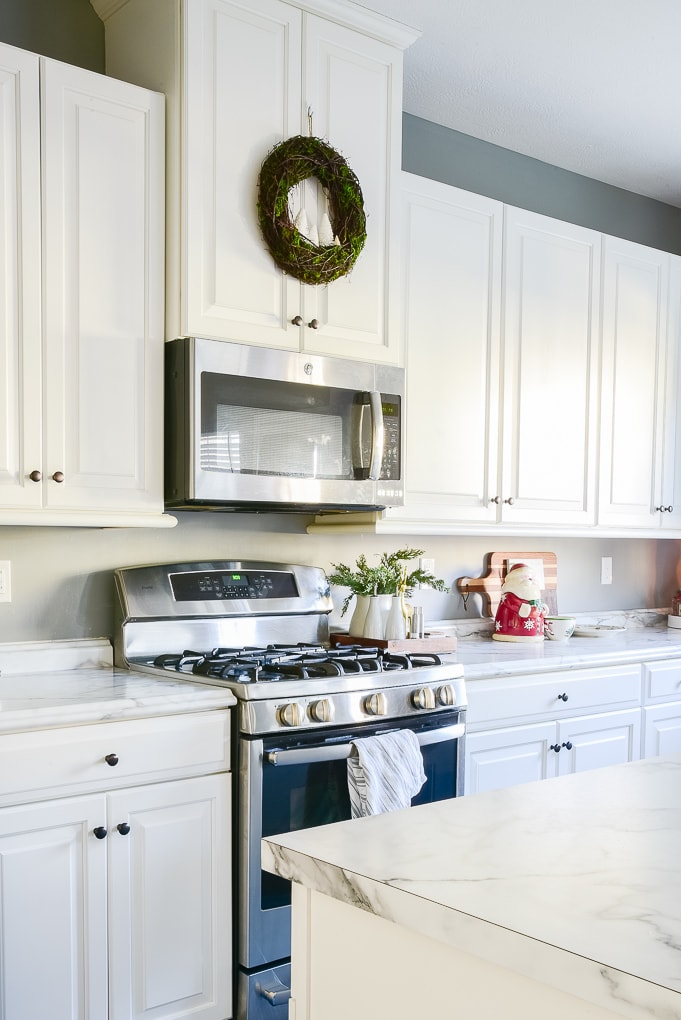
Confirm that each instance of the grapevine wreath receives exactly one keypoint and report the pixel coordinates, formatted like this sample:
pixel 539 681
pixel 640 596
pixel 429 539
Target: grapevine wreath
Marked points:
pixel 288 164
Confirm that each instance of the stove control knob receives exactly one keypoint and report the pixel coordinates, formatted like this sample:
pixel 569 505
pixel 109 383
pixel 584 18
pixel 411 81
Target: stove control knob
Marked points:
pixel 446 696
pixel 423 698
pixel 289 714
pixel 321 711
pixel 375 704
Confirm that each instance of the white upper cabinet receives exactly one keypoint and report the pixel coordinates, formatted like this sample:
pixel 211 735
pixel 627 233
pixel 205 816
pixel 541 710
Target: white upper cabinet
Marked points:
pixel 82 281
pixel 451 282
pixel 551 335
pixel 240 78
pixel 501 364
pixel 20 320
pixel 639 476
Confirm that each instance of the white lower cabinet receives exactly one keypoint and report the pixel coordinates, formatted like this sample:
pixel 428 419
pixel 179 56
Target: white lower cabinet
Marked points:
pixel 116 904
pixel 528 728
pixel 662 708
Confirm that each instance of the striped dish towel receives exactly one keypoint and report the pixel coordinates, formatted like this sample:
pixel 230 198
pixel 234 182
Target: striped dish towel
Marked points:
pixel 384 772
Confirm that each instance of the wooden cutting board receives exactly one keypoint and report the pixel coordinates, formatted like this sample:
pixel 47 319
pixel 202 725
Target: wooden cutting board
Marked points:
pixel 495 569
pixel 434 641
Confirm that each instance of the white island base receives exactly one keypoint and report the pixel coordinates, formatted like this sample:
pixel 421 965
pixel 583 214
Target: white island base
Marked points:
pixel 557 899
pixel 351 963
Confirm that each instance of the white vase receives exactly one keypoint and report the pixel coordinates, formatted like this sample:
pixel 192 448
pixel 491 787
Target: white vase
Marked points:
pixel 395 627
pixel 356 626
pixel 374 624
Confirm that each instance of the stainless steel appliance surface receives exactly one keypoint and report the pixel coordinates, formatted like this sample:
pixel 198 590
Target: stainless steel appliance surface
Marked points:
pixel 262 629
pixel 250 428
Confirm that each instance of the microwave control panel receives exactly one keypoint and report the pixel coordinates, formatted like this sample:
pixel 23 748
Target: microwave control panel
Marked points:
pixel 390 465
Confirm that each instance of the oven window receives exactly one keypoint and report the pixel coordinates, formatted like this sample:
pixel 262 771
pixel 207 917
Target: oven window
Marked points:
pixel 301 796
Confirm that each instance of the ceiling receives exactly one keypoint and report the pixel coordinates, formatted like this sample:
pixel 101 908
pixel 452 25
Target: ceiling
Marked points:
pixel 593 86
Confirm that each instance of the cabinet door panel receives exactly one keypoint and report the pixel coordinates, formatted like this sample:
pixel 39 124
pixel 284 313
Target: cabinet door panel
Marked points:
pixel 599 740
pixel 103 331
pixel 551 329
pixel 635 296
pixel 20 368
pixel 170 939
pixel 451 281
pixel 662 730
pixel 353 88
pixel 505 757
pixel 242 97
pixel 53 923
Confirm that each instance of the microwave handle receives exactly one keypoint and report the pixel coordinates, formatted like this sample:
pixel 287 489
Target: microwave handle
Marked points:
pixel 336 752
pixel 373 400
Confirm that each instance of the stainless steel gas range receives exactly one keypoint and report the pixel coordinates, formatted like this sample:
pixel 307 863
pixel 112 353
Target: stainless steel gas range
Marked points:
pixel 262 629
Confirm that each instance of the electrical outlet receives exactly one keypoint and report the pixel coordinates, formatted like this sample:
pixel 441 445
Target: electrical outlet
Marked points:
pixel 606 569
pixel 5 581
pixel 428 565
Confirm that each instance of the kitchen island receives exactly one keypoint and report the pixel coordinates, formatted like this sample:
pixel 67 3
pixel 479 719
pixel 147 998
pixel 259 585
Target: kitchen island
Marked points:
pixel 560 898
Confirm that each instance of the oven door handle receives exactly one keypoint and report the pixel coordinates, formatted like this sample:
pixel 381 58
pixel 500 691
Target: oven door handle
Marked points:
pixel 336 752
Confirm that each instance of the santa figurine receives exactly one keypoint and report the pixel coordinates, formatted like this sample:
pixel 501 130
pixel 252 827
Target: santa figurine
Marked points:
pixel 520 616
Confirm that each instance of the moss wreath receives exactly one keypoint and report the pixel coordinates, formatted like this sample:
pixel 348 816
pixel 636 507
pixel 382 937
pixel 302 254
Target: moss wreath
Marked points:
pixel 288 164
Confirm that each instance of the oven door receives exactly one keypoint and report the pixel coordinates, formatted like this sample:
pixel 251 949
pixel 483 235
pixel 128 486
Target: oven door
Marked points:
pixel 300 781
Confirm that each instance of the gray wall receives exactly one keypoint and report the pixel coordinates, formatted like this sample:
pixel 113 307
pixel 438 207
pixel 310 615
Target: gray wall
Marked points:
pixel 67 30
pixel 469 163
pixel 62 577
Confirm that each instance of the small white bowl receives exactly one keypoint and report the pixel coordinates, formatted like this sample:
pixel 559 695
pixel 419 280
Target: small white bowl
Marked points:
pixel 559 628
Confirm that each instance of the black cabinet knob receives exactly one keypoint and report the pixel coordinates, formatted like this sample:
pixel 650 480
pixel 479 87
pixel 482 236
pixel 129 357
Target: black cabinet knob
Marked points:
pixel 123 828
pixel 297 320
pixel 111 759
pixel 568 745
pixel 556 748
pixel 99 832
pixel 563 696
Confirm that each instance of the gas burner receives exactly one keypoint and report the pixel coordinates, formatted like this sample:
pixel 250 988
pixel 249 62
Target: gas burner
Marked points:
pixel 303 661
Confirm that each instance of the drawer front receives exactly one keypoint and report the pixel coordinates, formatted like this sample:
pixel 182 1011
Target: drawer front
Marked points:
pixel 662 680
pixel 552 695
pixel 74 758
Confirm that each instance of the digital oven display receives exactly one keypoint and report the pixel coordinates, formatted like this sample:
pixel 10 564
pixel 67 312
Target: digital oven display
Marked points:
pixel 211 585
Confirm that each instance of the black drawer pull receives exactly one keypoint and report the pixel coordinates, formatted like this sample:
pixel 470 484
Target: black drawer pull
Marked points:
pixel 111 759
pixel 563 696
pixel 123 828
pixel 99 832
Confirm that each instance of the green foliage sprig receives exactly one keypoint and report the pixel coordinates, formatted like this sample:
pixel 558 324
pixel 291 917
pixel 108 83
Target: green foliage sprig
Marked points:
pixel 288 164
pixel 389 577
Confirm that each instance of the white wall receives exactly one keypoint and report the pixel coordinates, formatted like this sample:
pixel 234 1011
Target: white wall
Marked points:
pixel 62 577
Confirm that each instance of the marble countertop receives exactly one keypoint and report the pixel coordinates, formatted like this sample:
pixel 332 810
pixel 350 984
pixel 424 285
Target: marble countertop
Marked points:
pixel 574 882
pixel 68 683
pixel 483 657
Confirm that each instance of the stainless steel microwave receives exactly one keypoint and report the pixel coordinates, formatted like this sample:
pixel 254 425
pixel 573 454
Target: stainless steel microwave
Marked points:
pixel 250 428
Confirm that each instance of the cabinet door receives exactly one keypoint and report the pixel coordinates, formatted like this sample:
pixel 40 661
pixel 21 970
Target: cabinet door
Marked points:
pixel 103 292
pixel 598 740
pixel 668 498
pixel 662 730
pixel 20 368
pixel 505 757
pixel 53 918
pixel 353 89
pixel 242 96
pixel 551 331
pixel 170 910
pixel 635 296
pixel 451 283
